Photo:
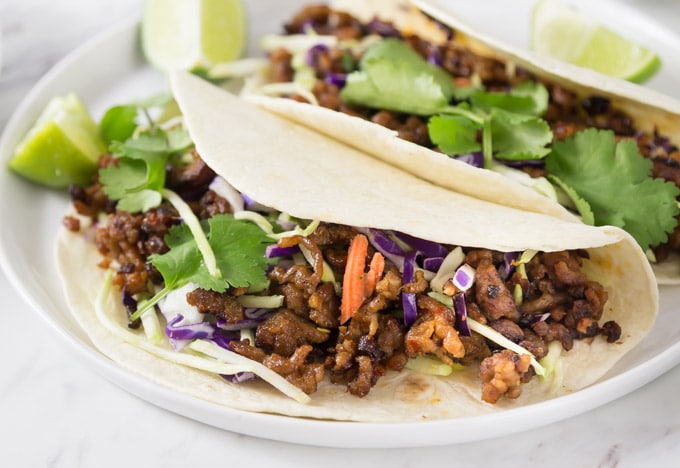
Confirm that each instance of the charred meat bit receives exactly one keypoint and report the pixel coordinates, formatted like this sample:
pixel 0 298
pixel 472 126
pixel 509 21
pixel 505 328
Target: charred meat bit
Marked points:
pixel 493 297
pixel 612 331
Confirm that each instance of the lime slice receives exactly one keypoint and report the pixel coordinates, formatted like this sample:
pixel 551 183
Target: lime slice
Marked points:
pixel 563 33
pixel 193 35
pixel 62 147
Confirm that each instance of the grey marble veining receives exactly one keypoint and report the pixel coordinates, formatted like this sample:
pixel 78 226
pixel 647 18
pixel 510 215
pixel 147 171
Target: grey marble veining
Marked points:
pixel 55 411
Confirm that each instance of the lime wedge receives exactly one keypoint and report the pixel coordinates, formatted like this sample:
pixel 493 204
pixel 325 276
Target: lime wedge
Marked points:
pixel 62 147
pixel 563 33
pixel 193 35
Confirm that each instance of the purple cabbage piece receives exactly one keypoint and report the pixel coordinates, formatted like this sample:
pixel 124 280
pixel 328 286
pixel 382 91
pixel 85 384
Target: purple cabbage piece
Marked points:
pixel 508 268
pixel 428 248
pixel 534 163
pixel 434 56
pixel 433 263
pixel 194 331
pixel 312 56
pixel 460 308
pixel 252 205
pixel 336 79
pixel 257 313
pixel 222 339
pixel 408 300
pixel 462 278
pixel 130 304
pixel 386 246
pixel 473 159
pixel 239 377
pixel 382 28
pixel 274 250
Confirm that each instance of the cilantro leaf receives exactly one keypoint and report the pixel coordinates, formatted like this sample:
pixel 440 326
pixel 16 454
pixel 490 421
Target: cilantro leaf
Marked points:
pixel 395 77
pixel 518 137
pixel 616 182
pixel 118 123
pixel 141 168
pixel 582 206
pixel 239 248
pixel 530 98
pixel 454 134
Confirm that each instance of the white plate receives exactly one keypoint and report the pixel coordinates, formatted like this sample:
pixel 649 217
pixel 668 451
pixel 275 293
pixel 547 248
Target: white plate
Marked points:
pixel 110 70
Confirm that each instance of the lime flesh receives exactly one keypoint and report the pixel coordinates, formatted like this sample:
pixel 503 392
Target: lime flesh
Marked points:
pixel 193 35
pixel 62 147
pixel 564 34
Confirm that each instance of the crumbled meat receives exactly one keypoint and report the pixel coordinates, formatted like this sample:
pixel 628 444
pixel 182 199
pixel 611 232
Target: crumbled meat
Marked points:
pixel 365 378
pixel 303 375
pixel 501 375
pixel 71 223
pixel 433 332
pixel 284 332
pixel 508 329
pixel 244 348
pixel 493 296
pixel 476 348
pixel 212 204
pixel 190 180
pixel 550 331
pixel 418 285
pixel 389 286
pixel 612 331
pixel 324 307
pixel 534 344
pixel 222 305
pixel 129 239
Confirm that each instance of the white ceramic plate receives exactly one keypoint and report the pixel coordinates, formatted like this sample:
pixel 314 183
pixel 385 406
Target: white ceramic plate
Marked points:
pixel 110 70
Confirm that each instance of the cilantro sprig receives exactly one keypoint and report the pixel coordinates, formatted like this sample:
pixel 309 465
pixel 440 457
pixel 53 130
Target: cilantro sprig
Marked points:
pixel 393 76
pixel 611 184
pixel 239 247
pixel 137 179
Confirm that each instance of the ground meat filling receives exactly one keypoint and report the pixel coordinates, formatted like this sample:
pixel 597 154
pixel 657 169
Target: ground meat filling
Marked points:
pixel 305 342
pixel 567 112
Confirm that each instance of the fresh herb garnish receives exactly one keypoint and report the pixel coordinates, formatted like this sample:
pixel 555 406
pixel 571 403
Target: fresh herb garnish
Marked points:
pixel 136 180
pixel 138 177
pixel 239 248
pixel 120 122
pixel 615 180
pixel 395 77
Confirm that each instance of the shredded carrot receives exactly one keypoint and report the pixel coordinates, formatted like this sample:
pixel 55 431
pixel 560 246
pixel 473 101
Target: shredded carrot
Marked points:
pixel 357 285
pixel 375 271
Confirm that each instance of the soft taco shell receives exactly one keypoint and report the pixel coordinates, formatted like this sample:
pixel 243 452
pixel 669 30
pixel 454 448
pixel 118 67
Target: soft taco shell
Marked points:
pixel 298 171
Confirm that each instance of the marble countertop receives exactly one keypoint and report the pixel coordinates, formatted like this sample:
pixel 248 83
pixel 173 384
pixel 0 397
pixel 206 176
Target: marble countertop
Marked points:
pixel 55 411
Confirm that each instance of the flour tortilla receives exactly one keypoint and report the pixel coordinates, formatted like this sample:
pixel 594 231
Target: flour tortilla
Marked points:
pixel 293 169
pixel 650 110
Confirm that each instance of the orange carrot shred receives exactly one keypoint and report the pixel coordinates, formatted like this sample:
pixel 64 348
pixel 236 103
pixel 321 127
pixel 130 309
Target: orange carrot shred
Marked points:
pixel 357 285
pixel 375 271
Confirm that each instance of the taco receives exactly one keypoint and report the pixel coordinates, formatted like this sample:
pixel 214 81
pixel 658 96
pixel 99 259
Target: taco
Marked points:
pixel 334 285
pixel 461 110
